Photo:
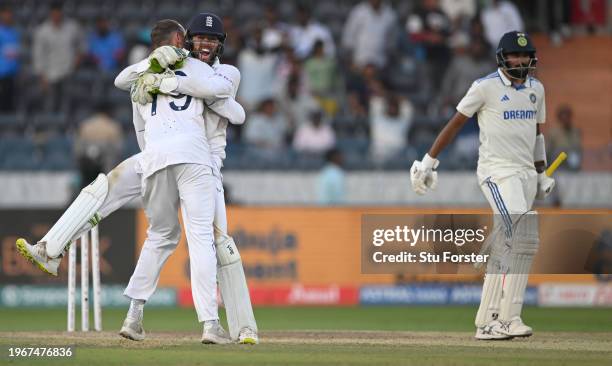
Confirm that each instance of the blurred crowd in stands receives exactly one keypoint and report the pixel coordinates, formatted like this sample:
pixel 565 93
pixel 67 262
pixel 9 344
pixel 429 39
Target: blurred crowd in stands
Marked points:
pixel 372 81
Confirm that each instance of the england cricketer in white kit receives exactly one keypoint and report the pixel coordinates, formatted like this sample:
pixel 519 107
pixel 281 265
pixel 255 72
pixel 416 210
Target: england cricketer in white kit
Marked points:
pixel 124 185
pixel 510 106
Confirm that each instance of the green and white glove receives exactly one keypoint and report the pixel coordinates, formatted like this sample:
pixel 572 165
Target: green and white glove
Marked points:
pixel 165 57
pixel 149 84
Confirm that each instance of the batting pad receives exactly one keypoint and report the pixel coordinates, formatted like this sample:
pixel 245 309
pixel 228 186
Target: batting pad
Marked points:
pixel 233 286
pixel 525 244
pixel 78 214
pixel 490 299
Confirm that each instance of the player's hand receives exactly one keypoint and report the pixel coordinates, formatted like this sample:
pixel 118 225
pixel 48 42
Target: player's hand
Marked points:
pixel 167 56
pixel 139 94
pixel 545 186
pixel 149 84
pixel 422 175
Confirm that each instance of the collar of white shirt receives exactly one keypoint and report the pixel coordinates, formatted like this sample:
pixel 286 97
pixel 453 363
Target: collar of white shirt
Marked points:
pixel 507 82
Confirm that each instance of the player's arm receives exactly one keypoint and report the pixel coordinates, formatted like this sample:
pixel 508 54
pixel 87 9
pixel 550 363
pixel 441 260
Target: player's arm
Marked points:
pixel 539 156
pixel 205 83
pixel 128 76
pixel 422 173
pixel 139 126
pixel 448 133
pixel 228 107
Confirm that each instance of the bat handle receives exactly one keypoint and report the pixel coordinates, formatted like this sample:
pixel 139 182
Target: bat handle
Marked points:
pixel 555 164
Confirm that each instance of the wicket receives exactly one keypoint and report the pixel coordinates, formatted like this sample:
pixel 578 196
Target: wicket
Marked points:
pixel 93 234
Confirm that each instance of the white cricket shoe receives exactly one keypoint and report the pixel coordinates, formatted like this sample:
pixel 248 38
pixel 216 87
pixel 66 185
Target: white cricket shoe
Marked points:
pixel 214 333
pixel 516 328
pixel 491 332
pixel 132 329
pixel 37 254
pixel 247 336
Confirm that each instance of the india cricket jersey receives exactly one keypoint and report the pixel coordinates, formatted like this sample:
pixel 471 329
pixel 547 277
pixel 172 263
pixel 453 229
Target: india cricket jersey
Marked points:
pixel 507 116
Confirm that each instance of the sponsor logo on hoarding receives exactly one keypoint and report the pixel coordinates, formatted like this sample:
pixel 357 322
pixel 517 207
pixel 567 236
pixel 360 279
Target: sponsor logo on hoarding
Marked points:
pixel 51 296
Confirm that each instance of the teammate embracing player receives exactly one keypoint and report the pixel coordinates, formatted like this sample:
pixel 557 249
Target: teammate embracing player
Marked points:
pixel 509 106
pixel 105 195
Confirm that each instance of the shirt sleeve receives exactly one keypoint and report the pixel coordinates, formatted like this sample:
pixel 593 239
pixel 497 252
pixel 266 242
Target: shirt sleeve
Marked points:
pixel 129 75
pixel 139 126
pixel 205 83
pixel 472 101
pixel 230 109
pixel 541 112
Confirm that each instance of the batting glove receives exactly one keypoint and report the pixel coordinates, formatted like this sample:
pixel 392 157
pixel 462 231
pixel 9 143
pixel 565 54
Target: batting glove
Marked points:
pixel 545 186
pixel 422 175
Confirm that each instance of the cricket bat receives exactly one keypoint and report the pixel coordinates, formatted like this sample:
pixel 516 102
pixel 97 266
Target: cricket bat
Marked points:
pixel 555 164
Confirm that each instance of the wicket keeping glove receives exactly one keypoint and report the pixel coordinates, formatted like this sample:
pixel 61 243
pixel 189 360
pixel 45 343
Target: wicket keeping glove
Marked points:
pixel 149 84
pixel 422 175
pixel 167 57
pixel 545 186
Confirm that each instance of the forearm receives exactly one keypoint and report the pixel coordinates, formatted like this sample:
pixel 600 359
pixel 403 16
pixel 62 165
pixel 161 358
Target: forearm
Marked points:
pixel 229 109
pixel 211 87
pixel 447 135
pixel 129 75
pixel 539 153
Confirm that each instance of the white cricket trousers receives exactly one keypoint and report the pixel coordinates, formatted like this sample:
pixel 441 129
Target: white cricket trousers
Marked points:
pixel 193 188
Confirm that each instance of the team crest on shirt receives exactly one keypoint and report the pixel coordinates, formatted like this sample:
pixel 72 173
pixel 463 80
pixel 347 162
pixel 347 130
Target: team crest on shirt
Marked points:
pixel 532 98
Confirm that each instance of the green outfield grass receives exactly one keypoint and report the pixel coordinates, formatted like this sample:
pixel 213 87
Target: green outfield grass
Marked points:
pixel 323 335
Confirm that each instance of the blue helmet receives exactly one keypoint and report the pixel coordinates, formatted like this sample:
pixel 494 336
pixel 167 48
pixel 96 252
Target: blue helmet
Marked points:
pixel 516 42
pixel 205 24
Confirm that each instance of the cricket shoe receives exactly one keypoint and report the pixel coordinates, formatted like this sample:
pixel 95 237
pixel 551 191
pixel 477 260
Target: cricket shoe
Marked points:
pixel 247 336
pixel 491 332
pixel 37 254
pixel 214 333
pixel 132 329
pixel 516 328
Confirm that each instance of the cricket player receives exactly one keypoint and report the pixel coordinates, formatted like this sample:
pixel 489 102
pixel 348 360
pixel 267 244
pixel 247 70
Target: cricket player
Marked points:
pixel 509 106
pixel 205 39
pixel 123 184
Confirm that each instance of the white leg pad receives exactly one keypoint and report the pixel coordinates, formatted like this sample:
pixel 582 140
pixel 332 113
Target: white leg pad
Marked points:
pixel 233 286
pixel 525 243
pixel 490 299
pixel 82 209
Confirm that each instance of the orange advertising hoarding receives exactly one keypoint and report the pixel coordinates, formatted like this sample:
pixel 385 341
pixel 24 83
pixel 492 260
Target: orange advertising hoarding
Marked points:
pixel 308 245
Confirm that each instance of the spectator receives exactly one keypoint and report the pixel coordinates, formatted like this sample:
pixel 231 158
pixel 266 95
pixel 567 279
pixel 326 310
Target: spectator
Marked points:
pixel 470 62
pixel 266 129
pixel 141 47
pixel 295 103
pixel 9 60
pixel 304 35
pixel 368 33
pixel 390 121
pixel 233 42
pixel 322 78
pixel 330 182
pixel 106 46
pixel 500 17
pixel 361 84
pixel 56 51
pixel 98 145
pixel 273 29
pixel 429 28
pixel 258 72
pixel 320 71
pixel 314 136
pixel 566 137
pixel 457 10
